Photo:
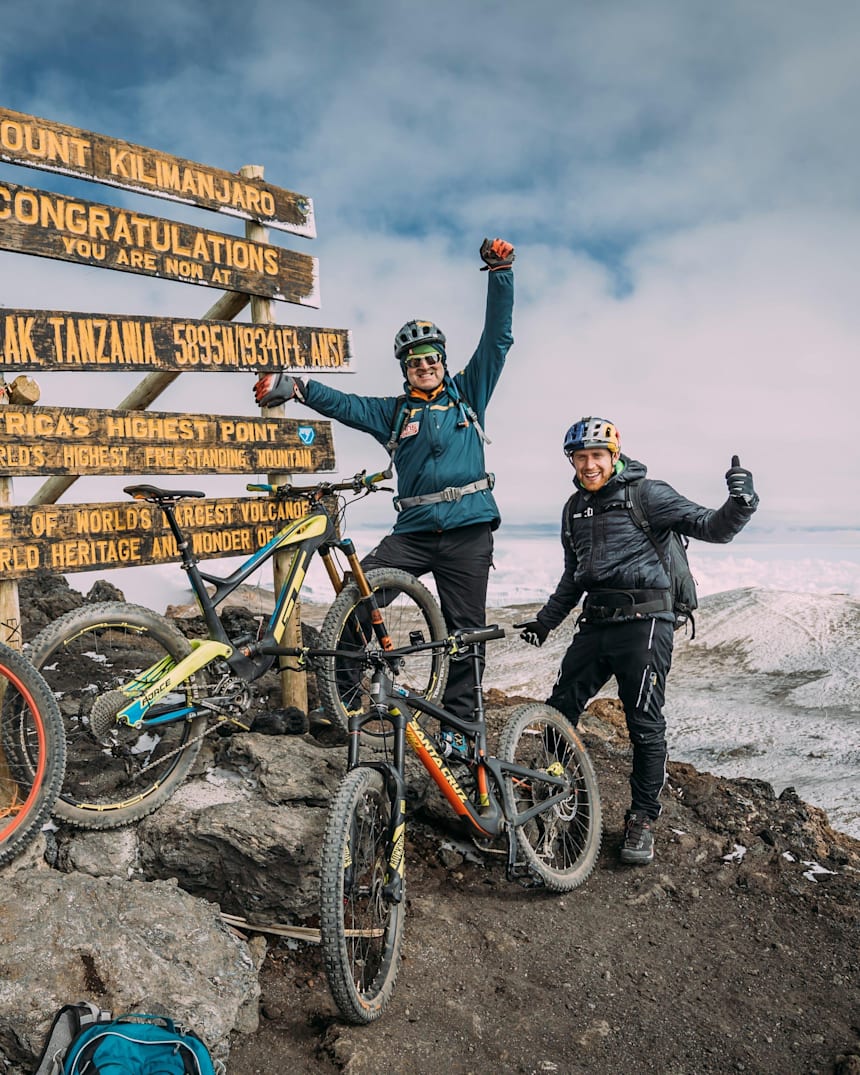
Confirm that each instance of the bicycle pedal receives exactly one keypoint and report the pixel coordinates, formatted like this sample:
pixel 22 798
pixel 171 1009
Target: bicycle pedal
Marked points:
pixel 486 846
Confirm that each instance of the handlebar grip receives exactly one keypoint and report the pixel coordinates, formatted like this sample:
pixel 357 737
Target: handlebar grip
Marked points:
pixel 262 488
pixel 481 634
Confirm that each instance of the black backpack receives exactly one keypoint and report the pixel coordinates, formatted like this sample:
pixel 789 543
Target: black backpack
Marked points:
pixel 684 597
pixel 674 559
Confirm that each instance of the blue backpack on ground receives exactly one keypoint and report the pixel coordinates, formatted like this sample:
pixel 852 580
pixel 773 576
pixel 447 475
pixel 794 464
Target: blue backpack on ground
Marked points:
pixel 85 1040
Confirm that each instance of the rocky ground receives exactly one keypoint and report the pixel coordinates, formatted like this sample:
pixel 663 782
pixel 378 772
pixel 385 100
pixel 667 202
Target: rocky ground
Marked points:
pixel 734 951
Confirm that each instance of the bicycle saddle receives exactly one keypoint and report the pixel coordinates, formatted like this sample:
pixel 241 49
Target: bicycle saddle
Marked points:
pixel 152 492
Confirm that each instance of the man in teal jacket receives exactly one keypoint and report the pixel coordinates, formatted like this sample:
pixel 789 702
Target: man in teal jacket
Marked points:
pixel 446 512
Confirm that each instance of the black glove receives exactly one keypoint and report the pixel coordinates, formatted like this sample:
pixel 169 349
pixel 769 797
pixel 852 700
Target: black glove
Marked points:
pixel 497 254
pixel 740 483
pixel 275 388
pixel 533 632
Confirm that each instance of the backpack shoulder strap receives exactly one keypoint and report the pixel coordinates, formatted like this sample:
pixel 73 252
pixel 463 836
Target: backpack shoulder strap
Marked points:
pixel 68 1023
pixel 634 500
pixel 640 517
pixel 400 411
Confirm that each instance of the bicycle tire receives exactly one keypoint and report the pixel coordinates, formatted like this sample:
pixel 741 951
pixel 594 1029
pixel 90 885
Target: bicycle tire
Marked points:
pixel 361 933
pixel 119 774
pixel 407 605
pixel 562 845
pixel 33 754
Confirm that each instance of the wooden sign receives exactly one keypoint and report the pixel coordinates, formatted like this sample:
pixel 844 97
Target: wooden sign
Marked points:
pixel 87 233
pixel 65 440
pixel 54 147
pixel 89 537
pixel 62 340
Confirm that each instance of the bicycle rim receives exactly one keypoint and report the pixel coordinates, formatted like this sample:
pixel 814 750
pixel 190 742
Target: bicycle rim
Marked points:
pixel 561 843
pixel 407 606
pixel 361 930
pixel 115 774
pixel 32 755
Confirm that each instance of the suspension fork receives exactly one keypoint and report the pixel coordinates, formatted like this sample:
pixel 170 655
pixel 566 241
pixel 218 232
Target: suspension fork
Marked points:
pixel 395 788
pixel 367 595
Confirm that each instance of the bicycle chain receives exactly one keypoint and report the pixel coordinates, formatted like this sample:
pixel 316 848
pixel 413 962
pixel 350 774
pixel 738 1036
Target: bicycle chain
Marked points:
pixel 179 750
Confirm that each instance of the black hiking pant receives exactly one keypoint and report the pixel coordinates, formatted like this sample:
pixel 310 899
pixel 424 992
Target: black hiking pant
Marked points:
pixel 459 561
pixel 639 654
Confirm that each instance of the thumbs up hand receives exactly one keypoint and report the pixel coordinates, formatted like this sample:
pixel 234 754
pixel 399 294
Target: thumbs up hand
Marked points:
pixel 740 483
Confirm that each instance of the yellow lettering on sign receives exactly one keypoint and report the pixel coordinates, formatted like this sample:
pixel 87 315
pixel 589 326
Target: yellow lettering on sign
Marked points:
pixel 17 558
pixel 164 547
pixel 326 349
pixel 44 144
pixel 17 341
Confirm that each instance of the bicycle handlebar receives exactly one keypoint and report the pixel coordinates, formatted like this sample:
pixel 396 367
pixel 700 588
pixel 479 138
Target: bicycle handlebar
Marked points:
pixel 362 482
pixel 457 640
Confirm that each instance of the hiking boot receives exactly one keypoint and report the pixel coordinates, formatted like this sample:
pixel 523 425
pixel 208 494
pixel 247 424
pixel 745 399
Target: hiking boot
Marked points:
pixel 638 846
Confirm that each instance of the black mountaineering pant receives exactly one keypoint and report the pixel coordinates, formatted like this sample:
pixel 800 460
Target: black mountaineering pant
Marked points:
pixel 639 654
pixel 460 562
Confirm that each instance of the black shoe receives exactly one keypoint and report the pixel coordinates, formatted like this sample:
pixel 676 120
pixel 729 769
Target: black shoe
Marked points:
pixel 638 846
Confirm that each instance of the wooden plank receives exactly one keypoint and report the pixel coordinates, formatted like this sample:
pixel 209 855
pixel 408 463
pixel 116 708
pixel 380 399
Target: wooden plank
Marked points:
pixel 68 440
pixel 88 233
pixel 230 304
pixel 56 147
pixel 65 340
pixel 73 538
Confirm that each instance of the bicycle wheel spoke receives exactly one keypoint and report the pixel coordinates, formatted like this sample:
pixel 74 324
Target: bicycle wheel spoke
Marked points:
pixel 407 606
pixel 32 753
pixel 96 661
pixel 361 927
pixel 562 840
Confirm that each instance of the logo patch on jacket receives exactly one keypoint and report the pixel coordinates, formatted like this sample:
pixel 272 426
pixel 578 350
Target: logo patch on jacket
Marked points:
pixel 410 429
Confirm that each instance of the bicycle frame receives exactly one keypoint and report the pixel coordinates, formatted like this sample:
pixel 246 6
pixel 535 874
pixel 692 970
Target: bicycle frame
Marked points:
pixel 488 817
pixel 248 658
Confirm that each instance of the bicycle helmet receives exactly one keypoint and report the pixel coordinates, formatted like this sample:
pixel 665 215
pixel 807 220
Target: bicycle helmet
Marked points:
pixel 414 332
pixel 592 433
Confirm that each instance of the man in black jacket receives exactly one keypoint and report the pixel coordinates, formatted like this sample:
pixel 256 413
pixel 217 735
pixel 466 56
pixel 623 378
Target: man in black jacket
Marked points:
pixel 627 624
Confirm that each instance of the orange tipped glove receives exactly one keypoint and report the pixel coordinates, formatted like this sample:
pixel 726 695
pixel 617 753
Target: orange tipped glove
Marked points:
pixel 496 254
pixel 275 388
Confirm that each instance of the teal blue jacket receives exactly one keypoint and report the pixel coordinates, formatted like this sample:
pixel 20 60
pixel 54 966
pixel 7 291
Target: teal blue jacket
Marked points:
pixel 435 450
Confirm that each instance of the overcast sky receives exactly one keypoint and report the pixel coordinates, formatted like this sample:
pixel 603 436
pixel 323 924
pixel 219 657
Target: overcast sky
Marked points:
pixel 681 181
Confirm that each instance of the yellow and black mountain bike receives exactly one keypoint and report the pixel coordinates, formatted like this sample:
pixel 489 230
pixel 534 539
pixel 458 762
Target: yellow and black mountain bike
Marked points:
pixel 137 696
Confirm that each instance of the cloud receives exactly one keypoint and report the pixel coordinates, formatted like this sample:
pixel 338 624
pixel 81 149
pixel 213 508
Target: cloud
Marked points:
pixel 680 180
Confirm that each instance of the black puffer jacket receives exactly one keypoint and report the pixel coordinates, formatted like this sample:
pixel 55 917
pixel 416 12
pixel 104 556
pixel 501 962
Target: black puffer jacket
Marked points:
pixel 606 550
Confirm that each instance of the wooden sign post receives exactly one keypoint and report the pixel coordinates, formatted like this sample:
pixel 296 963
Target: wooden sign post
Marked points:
pixel 66 443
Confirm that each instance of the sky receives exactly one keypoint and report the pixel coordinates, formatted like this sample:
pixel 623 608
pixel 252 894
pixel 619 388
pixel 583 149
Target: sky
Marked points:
pixel 681 182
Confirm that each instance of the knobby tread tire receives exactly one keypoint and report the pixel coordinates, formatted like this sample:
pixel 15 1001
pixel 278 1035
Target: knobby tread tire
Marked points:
pixel 34 753
pixel 71 635
pixel 416 607
pixel 562 845
pixel 361 969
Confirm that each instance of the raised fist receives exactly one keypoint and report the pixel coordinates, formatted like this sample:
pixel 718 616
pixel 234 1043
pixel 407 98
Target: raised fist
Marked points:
pixel 496 254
